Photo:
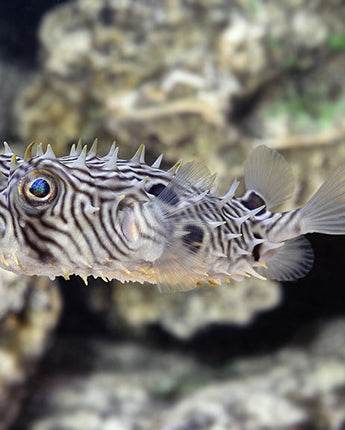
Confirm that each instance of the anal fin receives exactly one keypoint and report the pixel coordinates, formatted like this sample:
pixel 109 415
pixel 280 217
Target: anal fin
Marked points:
pixel 292 260
pixel 178 270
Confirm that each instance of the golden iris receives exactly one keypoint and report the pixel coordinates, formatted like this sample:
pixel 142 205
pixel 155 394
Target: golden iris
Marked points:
pixel 38 188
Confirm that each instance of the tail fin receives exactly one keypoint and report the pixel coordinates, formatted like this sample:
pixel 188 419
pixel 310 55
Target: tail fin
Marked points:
pixel 325 211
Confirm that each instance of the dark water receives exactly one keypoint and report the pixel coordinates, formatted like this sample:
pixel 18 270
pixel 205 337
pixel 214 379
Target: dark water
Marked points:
pixel 19 20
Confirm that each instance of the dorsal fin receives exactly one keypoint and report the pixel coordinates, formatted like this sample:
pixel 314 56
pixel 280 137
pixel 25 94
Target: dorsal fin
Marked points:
pixel 192 181
pixel 267 173
pixel 191 175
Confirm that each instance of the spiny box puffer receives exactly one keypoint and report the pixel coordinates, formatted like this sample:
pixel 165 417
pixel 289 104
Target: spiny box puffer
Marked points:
pixel 103 216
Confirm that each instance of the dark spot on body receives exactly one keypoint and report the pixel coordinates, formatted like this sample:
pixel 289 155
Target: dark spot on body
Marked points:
pixel 165 194
pixel 256 249
pixel 156 189
pixel 193 238
pixel 254 201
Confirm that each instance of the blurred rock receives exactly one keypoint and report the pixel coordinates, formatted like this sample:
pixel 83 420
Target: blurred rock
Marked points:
pixel 29 310
pixel 136 307
pixel 296 388
pixel 303 113
pixel 125 386
pixel 180 76
pixel 13 77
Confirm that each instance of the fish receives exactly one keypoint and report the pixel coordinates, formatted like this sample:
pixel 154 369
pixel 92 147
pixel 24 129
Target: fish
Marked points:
pixel 103 216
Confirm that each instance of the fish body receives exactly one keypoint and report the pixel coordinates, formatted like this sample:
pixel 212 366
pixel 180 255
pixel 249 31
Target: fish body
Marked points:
pixel 106 217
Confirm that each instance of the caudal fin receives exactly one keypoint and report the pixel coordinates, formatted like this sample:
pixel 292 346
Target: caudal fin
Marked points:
pixel 325 211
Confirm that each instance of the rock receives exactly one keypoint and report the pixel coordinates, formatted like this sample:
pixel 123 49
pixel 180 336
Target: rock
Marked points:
pixel 29 311
pixel 136 307
pixel 295 388
pixel 127 386
pixel 178 75
pixel 12 81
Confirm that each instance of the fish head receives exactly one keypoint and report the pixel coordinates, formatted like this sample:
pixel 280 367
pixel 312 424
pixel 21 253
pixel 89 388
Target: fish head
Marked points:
pixel 62 216
pixel 35 233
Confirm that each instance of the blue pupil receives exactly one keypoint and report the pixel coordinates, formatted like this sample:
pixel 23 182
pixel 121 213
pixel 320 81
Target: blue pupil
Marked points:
pixel 40 188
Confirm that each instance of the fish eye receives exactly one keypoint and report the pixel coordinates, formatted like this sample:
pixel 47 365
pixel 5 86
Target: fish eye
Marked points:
pixel 38 188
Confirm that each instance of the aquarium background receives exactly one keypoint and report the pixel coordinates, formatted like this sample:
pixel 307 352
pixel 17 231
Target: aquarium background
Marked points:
pixel 207 81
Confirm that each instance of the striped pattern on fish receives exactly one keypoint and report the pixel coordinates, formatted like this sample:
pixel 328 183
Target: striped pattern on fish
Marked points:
pixel 102 216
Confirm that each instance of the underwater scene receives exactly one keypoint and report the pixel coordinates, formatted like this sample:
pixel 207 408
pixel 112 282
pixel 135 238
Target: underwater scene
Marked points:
pixel 178 272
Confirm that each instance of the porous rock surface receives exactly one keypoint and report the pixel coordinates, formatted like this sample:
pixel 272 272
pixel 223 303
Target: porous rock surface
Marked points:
pixel 197 79
pixel 137 307
pixel 29 311
pixel 133 387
